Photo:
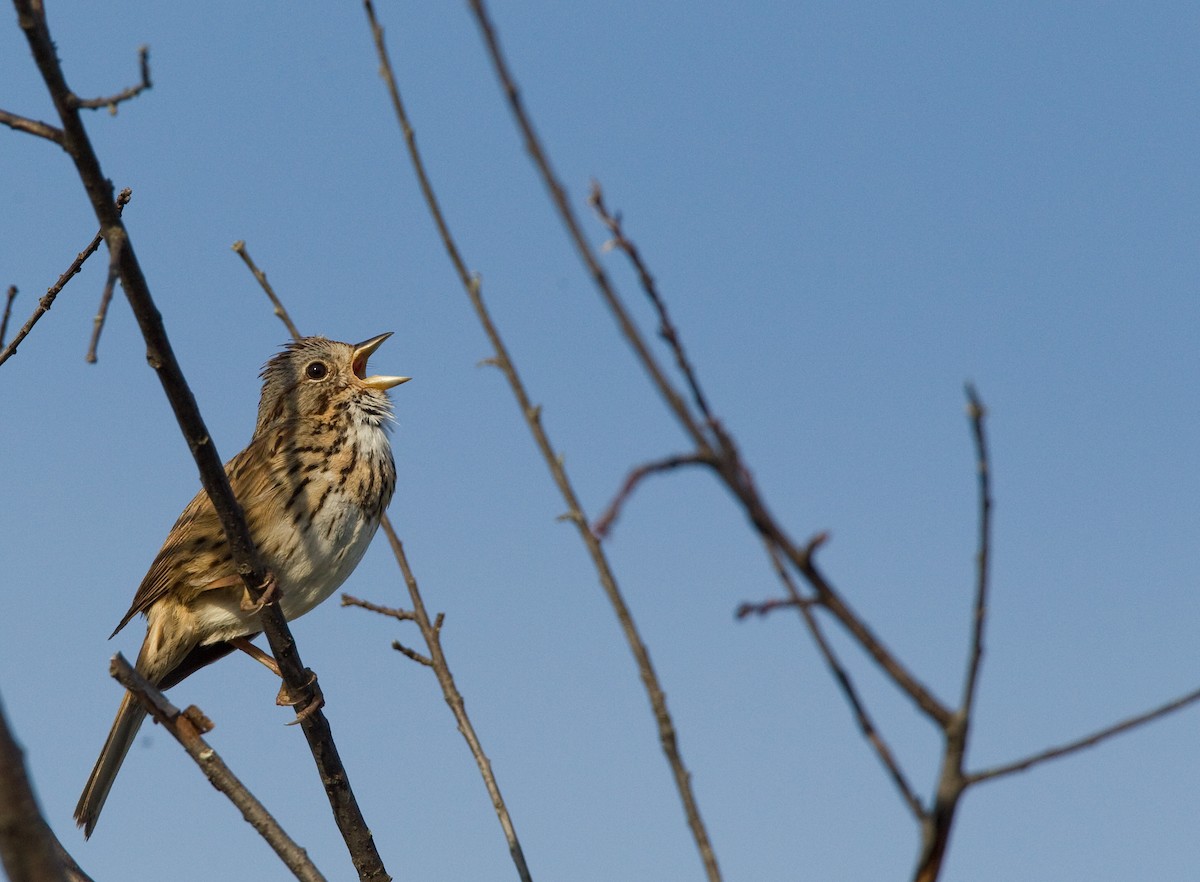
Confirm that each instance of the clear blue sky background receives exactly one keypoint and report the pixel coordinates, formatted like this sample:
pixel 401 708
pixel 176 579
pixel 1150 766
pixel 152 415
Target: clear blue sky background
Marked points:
pixel 852 209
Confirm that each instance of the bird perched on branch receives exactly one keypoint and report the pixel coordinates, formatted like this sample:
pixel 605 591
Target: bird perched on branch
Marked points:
pixel 313 484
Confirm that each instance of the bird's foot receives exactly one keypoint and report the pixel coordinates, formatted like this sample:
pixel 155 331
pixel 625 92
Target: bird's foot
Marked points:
pixel 308 701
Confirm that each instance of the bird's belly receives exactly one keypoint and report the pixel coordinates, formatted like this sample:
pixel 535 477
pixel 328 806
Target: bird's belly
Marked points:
pixel 308 564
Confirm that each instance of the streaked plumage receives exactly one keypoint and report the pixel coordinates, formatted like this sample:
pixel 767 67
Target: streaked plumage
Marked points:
pixel 313 484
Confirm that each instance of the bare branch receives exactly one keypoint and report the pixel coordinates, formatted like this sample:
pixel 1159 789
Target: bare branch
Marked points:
pixel 112 101
pixel 558 195
pixel 47 299
pixel 666 329
pixel 102 311
pixel 605 522
pixel 401 615
pixel 441 668
pixel 8 302
pixel 1086 741
pixel 976 413
pixel 729 464
pixel 187 727
pixel 282 314
pixel 532 415
pixel 32 127
pixel 300 682
pixel 841 676
pixel 28 848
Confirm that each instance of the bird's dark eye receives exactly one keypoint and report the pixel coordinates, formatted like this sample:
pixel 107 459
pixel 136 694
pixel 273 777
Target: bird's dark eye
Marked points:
pixel 316 370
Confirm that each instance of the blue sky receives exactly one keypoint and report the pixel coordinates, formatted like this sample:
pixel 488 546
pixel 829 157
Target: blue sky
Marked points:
pixel 851 208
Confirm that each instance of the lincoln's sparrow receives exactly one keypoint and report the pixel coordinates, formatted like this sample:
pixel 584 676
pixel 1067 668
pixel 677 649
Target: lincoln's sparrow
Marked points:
pixel 313 484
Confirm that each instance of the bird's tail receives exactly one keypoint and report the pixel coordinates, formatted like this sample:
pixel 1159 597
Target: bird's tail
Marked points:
pixel 120 739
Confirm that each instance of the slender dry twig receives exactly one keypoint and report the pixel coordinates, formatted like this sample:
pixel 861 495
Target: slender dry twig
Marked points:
pixel 841 676
pixel 532 414
pixel 47 299
pixel 402 615
pixel 282 314
pixel 31 127
pixel 666 329
pixel 8 302
pixel 1101 735
pixel 603 524
pixel 300 681
pixel 187 727
pixel 431 632
pixel 976 413
pixel 28 848
pixel 938 822
pixel 114 273
pixel 111 101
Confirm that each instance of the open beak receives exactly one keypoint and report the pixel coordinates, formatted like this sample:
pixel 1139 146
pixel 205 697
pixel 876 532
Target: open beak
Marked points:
pixel 362 352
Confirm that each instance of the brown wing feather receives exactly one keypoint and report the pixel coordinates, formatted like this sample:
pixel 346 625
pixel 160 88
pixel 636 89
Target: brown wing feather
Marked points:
pixel 195 556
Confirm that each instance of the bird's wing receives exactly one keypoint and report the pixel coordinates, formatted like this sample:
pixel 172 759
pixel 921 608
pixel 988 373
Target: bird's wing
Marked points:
pixel 195 556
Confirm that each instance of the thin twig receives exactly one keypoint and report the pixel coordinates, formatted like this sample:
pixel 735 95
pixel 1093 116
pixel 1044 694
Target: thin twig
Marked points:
pixel 300 681
pixel 841 676
pixel 114 273
pixel 532 414
pixel 1086 741
pixel 47 299
pixel 187 727
pixel 8 302
pixel 666 329
pixel 558 194
pixel 401 615
pixel 282 314
pixel 976 412
pixel 111 101
pixel 431 631
pixel 603 524
pixel 32 127
pixel 938 823
pixel 28 850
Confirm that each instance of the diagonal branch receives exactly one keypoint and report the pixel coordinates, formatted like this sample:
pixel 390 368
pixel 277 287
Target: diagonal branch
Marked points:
pixel 32 127
pixel 187 727
pixel 1086 741
pixel 666 329
pixel 532 414
pixel 841 676
pixel 282 314
pixel 300 682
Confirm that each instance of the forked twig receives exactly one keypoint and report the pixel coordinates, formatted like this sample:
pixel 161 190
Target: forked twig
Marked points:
pixel 47 299
pixel 187 727
pixel 111 101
